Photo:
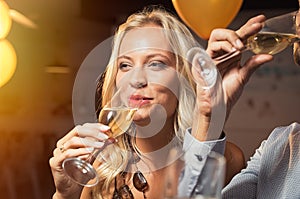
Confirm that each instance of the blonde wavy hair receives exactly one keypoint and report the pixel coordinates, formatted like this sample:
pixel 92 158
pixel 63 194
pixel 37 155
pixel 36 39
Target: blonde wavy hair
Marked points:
pixel 180 40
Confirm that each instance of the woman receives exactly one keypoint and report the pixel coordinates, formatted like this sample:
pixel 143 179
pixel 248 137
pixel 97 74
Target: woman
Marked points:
pixel 149 57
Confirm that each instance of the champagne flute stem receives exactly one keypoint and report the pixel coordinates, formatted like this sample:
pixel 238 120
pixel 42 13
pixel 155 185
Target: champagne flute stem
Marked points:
pixel 231 54
pixel 93 155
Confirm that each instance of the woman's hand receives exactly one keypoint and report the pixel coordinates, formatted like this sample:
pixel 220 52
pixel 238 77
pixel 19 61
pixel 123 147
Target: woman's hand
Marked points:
pixel 79 142
pixel 234 75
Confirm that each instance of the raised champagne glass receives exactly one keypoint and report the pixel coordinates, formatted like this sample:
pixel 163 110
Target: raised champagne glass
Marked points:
pixel 118 115
pixel 277 34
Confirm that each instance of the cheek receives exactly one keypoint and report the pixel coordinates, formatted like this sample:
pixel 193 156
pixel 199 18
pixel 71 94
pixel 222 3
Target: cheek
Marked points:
pixel 169 101
pixel 166 80
pixel 119 79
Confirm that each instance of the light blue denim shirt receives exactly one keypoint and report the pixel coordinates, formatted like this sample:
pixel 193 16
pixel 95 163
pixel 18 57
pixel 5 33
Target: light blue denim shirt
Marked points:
pixel 195 156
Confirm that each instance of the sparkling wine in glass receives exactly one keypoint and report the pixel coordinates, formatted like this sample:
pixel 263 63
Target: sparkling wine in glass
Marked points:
pixel 271 42
pixel 277 34
pixel 118 117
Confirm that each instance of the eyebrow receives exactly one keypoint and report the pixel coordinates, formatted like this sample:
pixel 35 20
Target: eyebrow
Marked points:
pixel 148 56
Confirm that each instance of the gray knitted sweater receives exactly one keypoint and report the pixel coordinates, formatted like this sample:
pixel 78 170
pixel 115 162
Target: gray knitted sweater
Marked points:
pixel 273 171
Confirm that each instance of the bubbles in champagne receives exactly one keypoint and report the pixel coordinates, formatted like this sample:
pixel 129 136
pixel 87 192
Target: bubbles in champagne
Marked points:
pixel 118 119
pixel 270 42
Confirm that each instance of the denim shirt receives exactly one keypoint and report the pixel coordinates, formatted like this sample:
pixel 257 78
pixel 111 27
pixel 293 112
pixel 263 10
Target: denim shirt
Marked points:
pixel 195 156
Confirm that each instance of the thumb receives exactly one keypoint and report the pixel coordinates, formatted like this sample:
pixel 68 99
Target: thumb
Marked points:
pixel 253 64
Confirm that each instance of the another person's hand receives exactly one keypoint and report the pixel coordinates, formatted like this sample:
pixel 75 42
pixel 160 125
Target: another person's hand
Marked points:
pixel 79 142
pixel 234 75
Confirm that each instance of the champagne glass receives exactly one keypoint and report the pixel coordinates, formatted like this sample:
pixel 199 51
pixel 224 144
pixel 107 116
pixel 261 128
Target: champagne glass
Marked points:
pixel 207 77
pixel 118 115
pixel 276 35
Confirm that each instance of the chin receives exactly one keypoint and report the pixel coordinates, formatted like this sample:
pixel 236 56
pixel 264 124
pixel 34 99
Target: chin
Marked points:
pixel 142 123
pixel 141 118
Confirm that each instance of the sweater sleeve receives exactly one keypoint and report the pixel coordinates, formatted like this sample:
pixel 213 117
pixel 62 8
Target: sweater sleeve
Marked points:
pixel 244 184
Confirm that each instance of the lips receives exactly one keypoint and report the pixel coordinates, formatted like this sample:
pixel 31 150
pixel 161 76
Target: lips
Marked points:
pixel 139 100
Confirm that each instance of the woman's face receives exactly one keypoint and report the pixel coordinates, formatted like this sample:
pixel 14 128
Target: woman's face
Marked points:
pixel 146 67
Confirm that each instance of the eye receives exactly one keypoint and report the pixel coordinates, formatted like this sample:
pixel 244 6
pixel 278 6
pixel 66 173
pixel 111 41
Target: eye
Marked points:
pixel 157 65
pixel 123 66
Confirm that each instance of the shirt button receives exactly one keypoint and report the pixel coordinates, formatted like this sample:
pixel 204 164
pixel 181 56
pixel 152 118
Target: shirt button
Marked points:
pixel 199 157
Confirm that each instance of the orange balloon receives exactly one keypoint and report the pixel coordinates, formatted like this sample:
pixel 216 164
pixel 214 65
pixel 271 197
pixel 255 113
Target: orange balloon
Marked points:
pixel 5 19
pixel 8 61
pixel 202 16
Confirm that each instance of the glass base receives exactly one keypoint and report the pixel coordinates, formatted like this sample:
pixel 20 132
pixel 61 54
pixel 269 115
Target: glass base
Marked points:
pixel 80 172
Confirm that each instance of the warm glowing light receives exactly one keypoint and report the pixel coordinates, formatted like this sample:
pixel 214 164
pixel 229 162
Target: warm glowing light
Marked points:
pixel 5 19
pixel 62 69
pixel 21 19
pixel 8 61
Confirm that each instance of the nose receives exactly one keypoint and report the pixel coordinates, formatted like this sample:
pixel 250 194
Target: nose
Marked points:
pixel 138 78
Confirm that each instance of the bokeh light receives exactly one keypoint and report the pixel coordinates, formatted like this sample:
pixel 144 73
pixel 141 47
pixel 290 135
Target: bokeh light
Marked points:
pixel 5 20
pixel 8 61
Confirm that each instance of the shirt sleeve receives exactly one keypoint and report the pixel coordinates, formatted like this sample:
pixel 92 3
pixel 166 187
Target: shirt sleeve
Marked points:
pixel 195 156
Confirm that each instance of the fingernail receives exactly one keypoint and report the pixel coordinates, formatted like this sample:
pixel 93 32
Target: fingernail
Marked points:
pixel 89 149
pixel 102 136
pixel 104 128
pixel 239 44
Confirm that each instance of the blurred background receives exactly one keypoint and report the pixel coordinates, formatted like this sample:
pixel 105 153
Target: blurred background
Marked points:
pixel 36 104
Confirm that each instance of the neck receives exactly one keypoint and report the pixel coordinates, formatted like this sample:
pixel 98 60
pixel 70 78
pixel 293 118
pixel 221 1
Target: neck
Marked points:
pixel 154 137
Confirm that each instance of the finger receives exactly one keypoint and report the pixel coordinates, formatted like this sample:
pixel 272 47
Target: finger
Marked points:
pixel 251 27
pixel 225 61
pixel 58 157
pixel 220 34
pixel 94 130
pixel 68 136
pixel 220 47
pixel 224 35
pixel 78 142
pixel 87 143
pixel 55 164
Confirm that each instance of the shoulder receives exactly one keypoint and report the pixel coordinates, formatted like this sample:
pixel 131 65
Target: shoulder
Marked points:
pixel 281 136
pixel 285 131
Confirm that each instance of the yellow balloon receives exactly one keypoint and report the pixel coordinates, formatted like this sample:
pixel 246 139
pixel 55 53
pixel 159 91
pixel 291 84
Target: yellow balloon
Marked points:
pixel 8 61
pixel 202 16
pixel 5 19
